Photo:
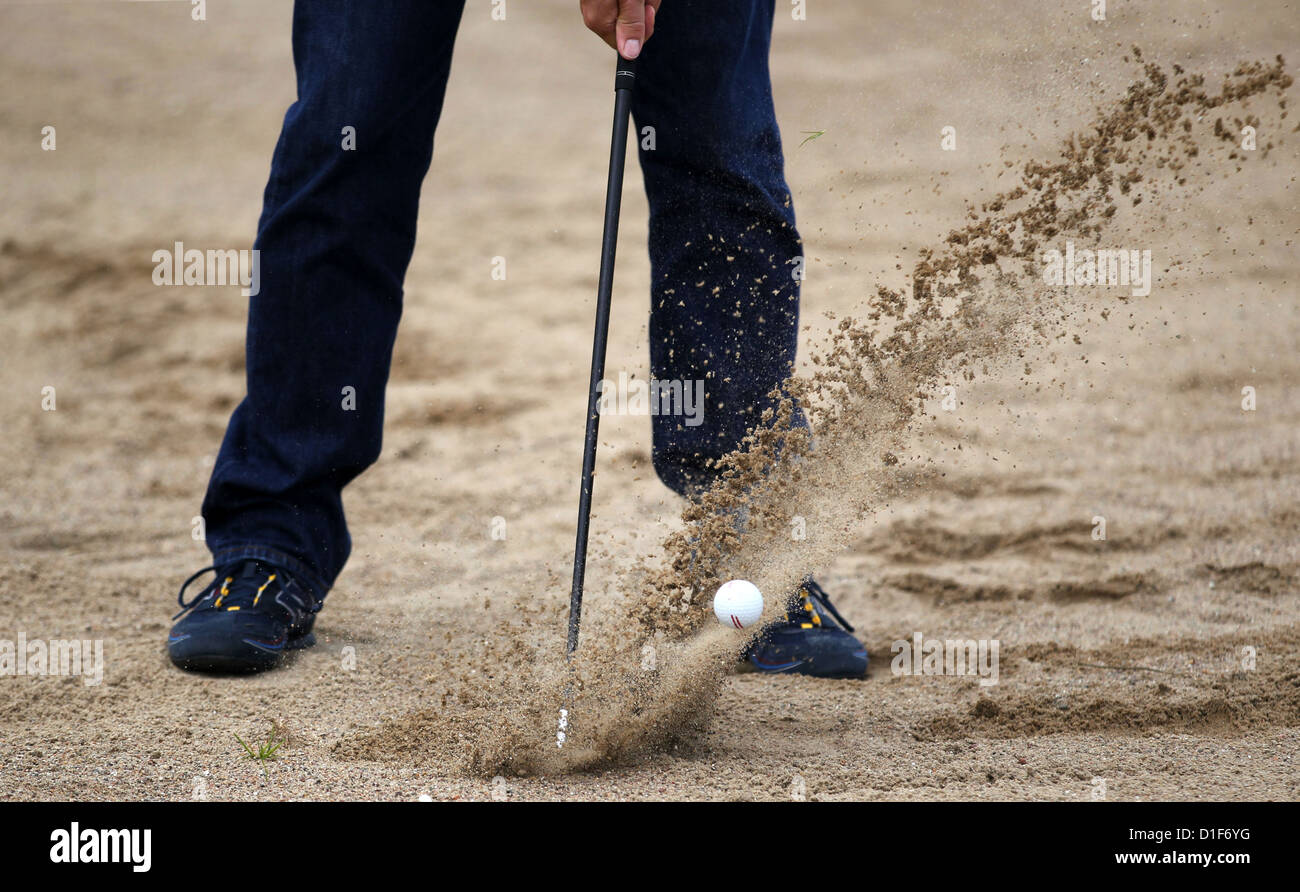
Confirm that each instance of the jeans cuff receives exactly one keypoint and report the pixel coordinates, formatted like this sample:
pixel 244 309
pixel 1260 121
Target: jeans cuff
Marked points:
pixel 229 554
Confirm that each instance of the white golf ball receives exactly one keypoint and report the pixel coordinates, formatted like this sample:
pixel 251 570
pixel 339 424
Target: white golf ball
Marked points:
pixel 738 604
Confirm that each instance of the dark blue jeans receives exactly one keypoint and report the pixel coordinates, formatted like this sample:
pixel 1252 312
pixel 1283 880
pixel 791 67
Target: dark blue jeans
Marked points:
pixel 338 228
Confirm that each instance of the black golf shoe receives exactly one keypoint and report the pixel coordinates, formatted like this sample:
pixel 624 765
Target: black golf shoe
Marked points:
pixel 246 620
pixel 813 639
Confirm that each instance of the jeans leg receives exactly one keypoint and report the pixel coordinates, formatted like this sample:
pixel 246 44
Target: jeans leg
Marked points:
pixel 724 250
pixel 335 238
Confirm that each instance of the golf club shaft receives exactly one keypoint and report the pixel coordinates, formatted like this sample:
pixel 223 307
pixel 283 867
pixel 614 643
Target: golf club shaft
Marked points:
pixel 624 79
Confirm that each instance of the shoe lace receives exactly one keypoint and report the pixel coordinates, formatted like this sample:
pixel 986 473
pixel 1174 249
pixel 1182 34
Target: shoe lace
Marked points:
pixel 236 585
pixel 809 597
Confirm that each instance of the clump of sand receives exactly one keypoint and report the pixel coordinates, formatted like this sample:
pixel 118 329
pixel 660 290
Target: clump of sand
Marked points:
pixel 648 672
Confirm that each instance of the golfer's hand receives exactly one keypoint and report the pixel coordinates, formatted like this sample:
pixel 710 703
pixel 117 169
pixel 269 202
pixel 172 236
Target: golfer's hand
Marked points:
pixel 623 24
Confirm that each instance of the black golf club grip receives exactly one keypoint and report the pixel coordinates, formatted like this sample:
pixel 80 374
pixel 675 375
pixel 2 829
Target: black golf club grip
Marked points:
pixel 625 75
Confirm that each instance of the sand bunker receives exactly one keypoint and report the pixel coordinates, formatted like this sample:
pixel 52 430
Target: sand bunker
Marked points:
pixel 651 665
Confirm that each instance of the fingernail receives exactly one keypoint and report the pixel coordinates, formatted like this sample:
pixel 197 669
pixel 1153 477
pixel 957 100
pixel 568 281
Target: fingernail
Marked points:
pixel 631 49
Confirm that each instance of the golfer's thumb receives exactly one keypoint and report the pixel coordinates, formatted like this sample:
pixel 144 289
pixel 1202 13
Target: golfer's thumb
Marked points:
pixel 629 33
